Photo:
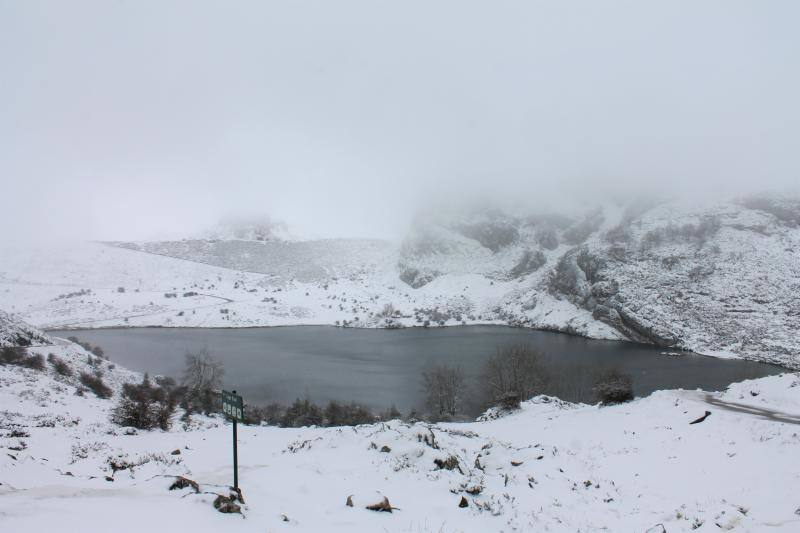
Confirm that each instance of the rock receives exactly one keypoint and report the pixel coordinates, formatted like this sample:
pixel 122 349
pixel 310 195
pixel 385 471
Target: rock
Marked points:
pixel 416 279
pixel 385 449
pixel 451 463
pixel 109 478
pixel 176 451
pixel 463 502
pixel 382 506
pixel 658 528
pixel 605 289
pixel 706 415
pixel 516 463
pixel 528 263
pixel 226 504
pixel 182 483
pixel 349 501
pixel 130 431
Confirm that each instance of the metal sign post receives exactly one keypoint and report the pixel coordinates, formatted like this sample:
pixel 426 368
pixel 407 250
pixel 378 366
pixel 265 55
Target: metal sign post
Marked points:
pixel 233 408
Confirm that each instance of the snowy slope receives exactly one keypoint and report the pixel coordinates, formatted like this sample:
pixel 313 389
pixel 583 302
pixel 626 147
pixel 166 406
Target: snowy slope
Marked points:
pixel 550 467
pixel 720 279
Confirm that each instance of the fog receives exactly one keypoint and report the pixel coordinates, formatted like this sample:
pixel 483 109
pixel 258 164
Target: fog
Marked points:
pixel 136 120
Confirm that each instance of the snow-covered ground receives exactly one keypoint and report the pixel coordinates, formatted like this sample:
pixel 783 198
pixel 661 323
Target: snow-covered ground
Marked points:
pixel 549 467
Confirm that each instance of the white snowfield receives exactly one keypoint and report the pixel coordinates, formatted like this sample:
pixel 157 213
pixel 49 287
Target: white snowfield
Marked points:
pixel 551 466
pixel 719 279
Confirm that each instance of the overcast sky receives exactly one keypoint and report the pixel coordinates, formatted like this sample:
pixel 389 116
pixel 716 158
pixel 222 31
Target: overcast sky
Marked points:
pixel 135 119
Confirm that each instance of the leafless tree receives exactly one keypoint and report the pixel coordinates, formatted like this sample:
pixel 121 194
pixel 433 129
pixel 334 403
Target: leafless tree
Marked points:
pixel 514 371
pixel 202 371
pixel 202 377
pixel 444 389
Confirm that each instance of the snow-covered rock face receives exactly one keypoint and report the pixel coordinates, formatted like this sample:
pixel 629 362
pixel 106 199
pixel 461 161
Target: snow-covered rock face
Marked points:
pixel 16 333
pixel 717 279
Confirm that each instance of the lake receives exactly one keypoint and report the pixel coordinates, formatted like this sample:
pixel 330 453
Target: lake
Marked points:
pixel 380 368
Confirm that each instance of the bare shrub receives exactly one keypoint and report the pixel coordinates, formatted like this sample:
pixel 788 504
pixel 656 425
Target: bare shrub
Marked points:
pixel 61 367
pixel 302 413
pixel 11 355
pixel 614 387
pixel 444 389
pixel 14 355
pixel 514 371
pixel 337 414
pixel 96 350
pixel 145 406
pixel 94 382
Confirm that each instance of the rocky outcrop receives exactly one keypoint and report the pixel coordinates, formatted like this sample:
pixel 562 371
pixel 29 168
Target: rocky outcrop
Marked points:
pixel 17 333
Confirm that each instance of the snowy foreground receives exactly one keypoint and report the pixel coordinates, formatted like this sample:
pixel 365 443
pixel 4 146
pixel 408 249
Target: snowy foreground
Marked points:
pixel 550 467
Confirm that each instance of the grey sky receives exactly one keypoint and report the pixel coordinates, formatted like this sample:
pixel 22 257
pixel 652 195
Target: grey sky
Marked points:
pixel 133 119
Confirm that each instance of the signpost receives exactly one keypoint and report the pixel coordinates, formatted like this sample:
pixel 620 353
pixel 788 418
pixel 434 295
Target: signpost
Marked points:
pixel 233 408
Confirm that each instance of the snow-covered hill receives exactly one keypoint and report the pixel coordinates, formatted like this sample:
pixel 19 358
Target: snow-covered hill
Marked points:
pixel 721 279
pixel 552 466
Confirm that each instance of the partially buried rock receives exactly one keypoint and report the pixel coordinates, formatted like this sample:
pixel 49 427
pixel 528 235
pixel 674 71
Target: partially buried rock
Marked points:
pixel 382 506
pixel 226 504
pixel 385 449
pixel 463 502
pixel 176 451
pixel 182 483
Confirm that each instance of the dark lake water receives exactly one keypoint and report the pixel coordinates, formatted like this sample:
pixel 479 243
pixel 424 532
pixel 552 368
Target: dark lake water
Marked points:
pixel 379 368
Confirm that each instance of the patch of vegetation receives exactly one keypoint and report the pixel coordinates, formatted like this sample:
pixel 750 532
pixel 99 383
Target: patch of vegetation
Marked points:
pixel 444 391
pixel 689 233
pixel 96 350
pixel 614 387
pixel 146 406
pixel 514 373
pixel 17 356
pixel 94 382
pixel 61 367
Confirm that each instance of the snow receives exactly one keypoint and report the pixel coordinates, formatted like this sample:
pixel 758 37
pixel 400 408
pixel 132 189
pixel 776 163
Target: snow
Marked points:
pixel 552 466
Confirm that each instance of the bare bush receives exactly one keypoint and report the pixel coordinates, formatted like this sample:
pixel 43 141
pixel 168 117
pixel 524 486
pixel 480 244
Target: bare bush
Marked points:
pixel 145 406
pixel 338 414
pixel 444 389
pixel 94 382
pixel 96 350
pixel 302 413
pixel 61 367
pixel 614 387
pixel 514 371
pixel 14 355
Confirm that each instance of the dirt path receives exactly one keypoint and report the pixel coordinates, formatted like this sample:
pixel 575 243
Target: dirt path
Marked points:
pixel 758 412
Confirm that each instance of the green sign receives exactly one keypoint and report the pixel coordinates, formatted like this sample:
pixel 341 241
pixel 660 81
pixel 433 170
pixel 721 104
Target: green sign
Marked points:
pixel 233 405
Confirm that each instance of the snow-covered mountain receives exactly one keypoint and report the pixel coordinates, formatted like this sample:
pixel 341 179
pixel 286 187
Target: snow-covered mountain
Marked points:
pixel 721 279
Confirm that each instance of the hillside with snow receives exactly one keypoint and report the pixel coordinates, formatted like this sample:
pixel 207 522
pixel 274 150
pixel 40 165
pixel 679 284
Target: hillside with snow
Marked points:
pixel 551 466
pixel 720 279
